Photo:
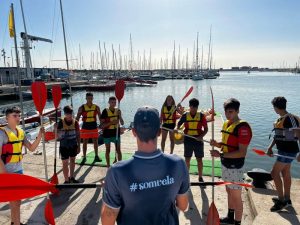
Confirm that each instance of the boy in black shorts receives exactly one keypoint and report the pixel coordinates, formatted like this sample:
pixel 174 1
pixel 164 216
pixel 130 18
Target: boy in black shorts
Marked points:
pixel 68 133
pixel 194 125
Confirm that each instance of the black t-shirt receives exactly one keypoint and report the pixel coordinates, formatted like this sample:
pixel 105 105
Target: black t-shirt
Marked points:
pixel 108 133
pixel 288 146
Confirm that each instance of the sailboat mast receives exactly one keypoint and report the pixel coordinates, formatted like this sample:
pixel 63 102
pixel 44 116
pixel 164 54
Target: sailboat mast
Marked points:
pixel 197 52
pixel 66 50
pixel 18 65
pixel 208 60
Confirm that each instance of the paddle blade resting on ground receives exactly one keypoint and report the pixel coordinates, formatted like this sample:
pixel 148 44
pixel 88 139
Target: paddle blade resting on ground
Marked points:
pixel 56 95
pixel 15 187
pixel 213 215
pixel 49 214
pixel 39 95
pixel 119 91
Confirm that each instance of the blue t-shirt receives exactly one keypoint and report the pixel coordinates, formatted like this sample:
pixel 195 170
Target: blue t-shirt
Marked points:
pixel 145 187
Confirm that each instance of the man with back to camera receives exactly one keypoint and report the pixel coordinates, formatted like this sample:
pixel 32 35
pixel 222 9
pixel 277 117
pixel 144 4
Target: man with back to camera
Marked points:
pixel 147 188
pixel 236 137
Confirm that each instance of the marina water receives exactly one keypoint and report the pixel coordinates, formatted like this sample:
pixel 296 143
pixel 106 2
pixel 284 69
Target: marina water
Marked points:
pixel 254 90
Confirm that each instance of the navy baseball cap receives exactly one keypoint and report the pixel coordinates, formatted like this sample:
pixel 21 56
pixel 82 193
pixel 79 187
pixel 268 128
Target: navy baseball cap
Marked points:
pixel 146 123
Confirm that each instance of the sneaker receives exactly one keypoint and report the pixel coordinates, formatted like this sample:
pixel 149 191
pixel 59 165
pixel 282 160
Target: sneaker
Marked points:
pixel 279 205
pixel 73 181
pixel 226 220
pixel 288 202
pixel 200 179
pixel 83 161
pixel 97 159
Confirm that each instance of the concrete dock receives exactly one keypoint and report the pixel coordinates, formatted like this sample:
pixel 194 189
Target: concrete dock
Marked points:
pixel 82 206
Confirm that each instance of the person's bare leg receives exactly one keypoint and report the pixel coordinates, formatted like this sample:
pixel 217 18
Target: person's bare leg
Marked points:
pixel 187 162
pixel 200 166
pixel 15 211
pixel 287 181
pixel 107 154
pixel 164 134
pixel 72 166
pixel 118 151
pixel 65 164
pixel 171 135
pixel 277 168
pixel 237 203
pixel 84 147
pixel 95 141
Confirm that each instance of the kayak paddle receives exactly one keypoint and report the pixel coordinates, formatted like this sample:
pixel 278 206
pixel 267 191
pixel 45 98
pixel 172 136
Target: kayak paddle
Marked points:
pixel 56 95
pixel 217 183
pixel 263 153
pixel 213 214
pixel 119 92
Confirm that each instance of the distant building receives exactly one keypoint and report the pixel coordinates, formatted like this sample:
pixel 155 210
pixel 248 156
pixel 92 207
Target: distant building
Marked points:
pixel 8 75
pixel 235 68
pixel 245 68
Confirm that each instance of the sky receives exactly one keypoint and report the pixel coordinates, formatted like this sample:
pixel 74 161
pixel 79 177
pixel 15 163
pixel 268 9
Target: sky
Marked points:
pixel 264 33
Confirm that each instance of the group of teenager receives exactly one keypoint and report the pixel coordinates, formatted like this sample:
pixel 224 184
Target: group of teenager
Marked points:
pixel 151 186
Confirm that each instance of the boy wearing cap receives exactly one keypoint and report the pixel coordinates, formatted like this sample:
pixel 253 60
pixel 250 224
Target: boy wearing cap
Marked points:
pixel 147 188
pixel 194 125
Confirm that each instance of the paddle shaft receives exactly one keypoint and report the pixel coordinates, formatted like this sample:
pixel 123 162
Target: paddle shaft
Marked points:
pixel 55 142
pixel 213 137
pixel 117 135
pixel 68 186
pixel 186 135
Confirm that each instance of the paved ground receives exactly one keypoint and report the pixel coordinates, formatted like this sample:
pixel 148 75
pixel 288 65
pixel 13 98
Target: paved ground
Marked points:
pixel 82 207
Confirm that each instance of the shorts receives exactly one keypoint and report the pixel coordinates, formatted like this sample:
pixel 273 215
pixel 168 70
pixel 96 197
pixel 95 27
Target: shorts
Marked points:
pixel 89 125
pixel 233 175
pixel 169 125
pixel 87 134
pixel 191 145
pixel 285 160
pixel 111 140
pixel 67 152
pixel 19 172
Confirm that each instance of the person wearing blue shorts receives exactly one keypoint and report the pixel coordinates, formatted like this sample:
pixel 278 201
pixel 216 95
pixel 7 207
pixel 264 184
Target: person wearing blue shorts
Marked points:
pixel 111 118
pixel 286 142
pixel 148 188
pixel 12 140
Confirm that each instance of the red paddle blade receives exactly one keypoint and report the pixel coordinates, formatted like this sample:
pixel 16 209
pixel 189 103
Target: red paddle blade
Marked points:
pixel 188 93
pixel 56 95
pixel 213 105
pixel 119 91
pixel 54 179
pixel 18 186
pixel 213 215
pixel 49 135
pixel 49 214
pixel 39 95
pixel 259 151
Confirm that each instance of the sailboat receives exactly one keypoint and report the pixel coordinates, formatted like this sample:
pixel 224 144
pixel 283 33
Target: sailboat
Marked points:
pixel 210 74
pixel 198 75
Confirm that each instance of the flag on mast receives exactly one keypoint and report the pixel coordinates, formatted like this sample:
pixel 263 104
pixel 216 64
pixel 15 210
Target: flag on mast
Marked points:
pixel 11 24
